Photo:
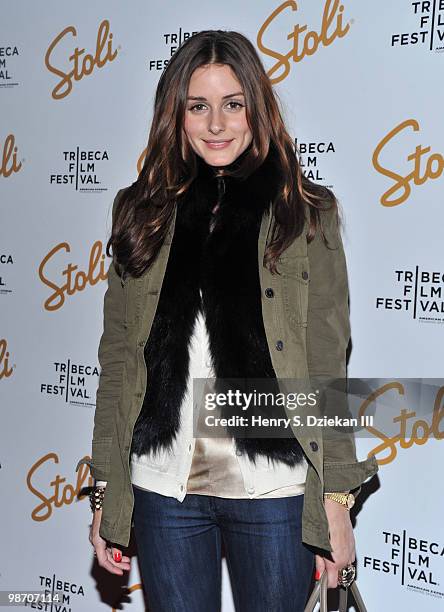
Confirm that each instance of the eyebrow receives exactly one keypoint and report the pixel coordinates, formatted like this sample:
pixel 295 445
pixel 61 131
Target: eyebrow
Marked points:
pixel 238 93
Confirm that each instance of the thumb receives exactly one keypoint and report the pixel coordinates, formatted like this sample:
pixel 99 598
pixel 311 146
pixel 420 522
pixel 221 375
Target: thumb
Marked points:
pixel 117 554
pixel 320 567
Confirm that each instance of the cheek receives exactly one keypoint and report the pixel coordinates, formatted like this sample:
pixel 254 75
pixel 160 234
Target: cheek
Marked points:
pixel 241 127
pixel 192 125
pixel 187 128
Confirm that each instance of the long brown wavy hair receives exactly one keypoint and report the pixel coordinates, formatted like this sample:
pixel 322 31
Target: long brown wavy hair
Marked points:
pixel 146 207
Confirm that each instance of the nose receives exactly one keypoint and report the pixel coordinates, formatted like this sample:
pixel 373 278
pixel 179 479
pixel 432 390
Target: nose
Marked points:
pixel 216 121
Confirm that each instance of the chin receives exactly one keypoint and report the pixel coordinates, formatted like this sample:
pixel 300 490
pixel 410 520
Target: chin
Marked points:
pixel 218 161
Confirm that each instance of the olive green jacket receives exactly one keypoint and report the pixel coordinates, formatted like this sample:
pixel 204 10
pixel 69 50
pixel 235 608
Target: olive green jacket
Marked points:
pixel 308 313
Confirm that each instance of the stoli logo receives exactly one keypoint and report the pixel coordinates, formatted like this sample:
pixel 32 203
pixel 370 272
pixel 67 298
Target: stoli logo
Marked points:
pixel 82 64
pixel 9 163
pixel 305 41
pixel 74 280
pixel 58 492
pixel 5 370
pixel 421 163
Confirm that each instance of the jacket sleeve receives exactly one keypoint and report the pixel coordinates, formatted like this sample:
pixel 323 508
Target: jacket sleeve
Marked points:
pixel 328 335
pixel 111 355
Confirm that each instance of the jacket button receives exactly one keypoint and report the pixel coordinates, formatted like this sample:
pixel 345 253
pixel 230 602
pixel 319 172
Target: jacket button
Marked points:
pixel 314 446
pixel 269 292
pixel 250 490
pixel 305 274
pixel 141 343
pixel 238 453
pixel 279 345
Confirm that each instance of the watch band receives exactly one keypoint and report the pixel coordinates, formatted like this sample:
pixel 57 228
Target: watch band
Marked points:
pixel 345 499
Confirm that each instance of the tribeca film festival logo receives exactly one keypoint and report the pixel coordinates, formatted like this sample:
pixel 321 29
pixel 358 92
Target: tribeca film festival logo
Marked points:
pixel 73 65
pixel 429 26
pixel 5 260
pixel 420 293
pixel 172 41
pixel 7 58
pixel 9 163
pixel 306 40
pixel 81 170
pixel 66 279
pixel 423 165
pixel 76 383
pixel 310 152
pixel 414 561
pixel 6 370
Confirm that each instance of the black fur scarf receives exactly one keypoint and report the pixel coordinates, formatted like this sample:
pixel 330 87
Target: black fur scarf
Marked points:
pixel 223 263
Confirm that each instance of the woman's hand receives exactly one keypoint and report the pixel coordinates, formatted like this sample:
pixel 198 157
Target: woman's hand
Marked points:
pixel 106 556
pixel 342 541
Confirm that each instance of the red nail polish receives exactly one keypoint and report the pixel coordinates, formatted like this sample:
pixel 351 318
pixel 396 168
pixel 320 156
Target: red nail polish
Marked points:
pixel 117 556
pixel 317 575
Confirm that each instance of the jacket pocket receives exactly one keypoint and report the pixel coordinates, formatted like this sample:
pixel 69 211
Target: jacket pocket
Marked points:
pixel 101 457
pixel 131 288
pixel 295 278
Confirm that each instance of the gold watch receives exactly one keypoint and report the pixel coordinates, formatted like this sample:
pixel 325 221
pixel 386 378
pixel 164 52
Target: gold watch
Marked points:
pixel 345 499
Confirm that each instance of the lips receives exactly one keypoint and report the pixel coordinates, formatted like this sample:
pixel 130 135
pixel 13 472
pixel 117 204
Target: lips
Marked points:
pixel 217 144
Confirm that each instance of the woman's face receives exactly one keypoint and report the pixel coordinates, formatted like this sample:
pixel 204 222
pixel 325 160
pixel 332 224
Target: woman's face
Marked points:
pixel 215 113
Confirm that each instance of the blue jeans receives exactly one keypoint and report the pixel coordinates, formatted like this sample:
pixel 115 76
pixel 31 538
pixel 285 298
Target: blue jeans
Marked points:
pixel 179 551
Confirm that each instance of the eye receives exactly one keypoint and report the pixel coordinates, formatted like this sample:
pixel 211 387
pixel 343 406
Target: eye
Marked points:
pixel 238 104
pixel 195 106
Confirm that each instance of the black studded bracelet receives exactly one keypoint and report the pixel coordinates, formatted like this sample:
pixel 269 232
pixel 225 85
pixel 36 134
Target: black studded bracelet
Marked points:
pixel 96 498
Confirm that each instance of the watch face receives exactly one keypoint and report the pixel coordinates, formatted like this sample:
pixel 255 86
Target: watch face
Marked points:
pixel 350 501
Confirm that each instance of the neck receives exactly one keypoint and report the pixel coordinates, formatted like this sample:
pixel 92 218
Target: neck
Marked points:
pixel 240 182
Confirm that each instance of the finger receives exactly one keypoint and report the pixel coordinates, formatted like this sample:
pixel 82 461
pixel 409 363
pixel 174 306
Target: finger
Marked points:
pixel 320 566
pixel 118 565
pixel 332 578
pixel 104 560
pixel 118 557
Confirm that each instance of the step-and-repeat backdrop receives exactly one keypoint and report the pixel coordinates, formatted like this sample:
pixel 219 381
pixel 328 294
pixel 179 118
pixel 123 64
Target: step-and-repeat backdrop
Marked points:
pixel 362 88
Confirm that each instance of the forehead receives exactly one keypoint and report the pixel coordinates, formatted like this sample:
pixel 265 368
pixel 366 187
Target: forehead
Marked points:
pixel 213 80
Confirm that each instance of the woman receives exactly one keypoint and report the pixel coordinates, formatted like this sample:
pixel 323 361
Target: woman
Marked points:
pixel 227 263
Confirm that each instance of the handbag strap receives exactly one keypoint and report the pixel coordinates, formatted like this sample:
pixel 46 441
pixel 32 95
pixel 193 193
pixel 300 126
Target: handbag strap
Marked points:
pixel 360 605
pixel 343 597
pixel 319 594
